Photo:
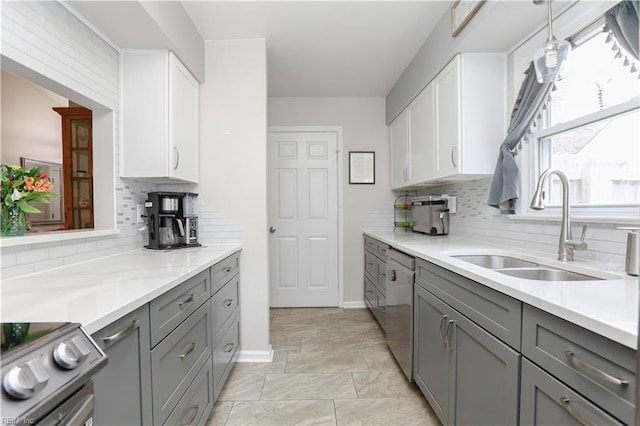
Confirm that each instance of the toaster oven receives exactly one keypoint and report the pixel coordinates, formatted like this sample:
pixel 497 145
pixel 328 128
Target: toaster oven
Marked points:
pixel 430 215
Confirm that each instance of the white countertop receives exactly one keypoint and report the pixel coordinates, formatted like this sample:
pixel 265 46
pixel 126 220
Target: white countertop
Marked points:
pixel 608 307
pixel 98 292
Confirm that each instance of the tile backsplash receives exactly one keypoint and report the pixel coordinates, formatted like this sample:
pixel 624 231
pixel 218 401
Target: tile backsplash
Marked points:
pixel 476 220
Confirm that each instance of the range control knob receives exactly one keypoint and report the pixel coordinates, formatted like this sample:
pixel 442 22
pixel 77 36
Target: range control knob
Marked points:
pixel 71 353
pixel 24 380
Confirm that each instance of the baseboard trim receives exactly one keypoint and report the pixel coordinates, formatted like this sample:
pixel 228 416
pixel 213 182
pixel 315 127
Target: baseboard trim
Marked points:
pixel 354 305
pixel 256 356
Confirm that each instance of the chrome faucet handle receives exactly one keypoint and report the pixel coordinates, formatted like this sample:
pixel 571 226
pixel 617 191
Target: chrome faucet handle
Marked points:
pixel 580 244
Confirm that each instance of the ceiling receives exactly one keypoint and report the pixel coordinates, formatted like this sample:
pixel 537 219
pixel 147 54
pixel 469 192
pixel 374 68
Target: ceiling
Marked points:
pixel 314 48
pixel 318 48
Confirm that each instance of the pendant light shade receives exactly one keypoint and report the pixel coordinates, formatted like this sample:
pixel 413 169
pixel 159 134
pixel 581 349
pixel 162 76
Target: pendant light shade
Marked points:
pixel 550 59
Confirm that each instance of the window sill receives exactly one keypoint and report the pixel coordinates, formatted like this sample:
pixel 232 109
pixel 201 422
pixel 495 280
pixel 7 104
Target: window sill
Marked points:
pixel 54 236
pixel 578 218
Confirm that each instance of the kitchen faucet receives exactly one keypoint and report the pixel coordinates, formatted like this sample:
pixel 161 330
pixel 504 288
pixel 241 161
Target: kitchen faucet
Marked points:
pixel 566 244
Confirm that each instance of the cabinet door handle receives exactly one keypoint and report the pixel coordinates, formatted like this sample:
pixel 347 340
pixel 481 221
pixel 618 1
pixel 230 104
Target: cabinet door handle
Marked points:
pixel 227 303
pixel 450 325
pixel 593 371
pixel 187 300
pixel 566 404
pixel 194 413
pixel 177 157
pixel 110 340
pixel 443 339
pixel 184 354
pixel 228 348
pixel 454 155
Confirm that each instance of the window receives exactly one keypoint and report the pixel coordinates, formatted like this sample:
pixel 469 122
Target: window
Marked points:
pixel 590 129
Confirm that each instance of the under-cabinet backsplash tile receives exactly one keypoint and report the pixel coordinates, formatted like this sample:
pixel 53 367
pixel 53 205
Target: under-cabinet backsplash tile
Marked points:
pixel 476 220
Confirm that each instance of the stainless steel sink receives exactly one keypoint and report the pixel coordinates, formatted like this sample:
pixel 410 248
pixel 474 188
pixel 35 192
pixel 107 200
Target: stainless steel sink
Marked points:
pixel 492 261
pixel 523 268
pixel 546 274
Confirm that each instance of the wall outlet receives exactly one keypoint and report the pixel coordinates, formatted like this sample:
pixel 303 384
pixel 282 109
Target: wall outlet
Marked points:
pixel 141 214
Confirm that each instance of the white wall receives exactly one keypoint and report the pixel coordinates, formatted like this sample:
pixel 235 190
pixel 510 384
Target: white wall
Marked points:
pixel 362 121
pixel 30 127
pixel 233 174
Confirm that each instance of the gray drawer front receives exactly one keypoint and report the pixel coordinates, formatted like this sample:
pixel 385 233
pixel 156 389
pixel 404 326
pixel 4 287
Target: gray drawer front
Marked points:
pixel 370 244
pixel 196 404
pixel 382 250
pixel 177 359
pixel 223 305
pixel 497 313
pixel 546 401
pixel 382 308
pixel 382 276
pixel 370 295
pixel 547 338
pixel 371 265
pixel 223 270
pixel 224 354
pixel 173 307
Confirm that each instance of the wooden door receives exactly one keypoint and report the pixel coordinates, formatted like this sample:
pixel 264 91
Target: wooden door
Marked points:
pixel 303 214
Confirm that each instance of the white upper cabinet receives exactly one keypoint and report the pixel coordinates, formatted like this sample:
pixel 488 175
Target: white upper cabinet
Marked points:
pixel 399 137
pixel 470 115
pixel 452 130
pixel 160 118
pixel 412 136
pixel 422 136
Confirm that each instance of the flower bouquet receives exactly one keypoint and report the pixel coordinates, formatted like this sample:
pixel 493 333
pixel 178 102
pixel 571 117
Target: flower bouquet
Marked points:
pixel 19 187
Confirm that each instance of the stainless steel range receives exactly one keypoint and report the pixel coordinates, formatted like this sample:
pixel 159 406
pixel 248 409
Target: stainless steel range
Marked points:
pixel 46 371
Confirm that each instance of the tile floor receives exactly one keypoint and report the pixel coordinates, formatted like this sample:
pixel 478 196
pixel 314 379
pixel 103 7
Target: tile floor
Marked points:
pixel 331 367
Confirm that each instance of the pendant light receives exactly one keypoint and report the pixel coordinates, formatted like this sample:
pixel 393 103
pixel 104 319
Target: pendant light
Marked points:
pixel 549 60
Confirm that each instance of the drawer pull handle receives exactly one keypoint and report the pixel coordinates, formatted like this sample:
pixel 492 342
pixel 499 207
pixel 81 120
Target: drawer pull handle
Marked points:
pixel 187 300
pixel 194 413
pixel 369 263
pixel 228 348
pixel 110 340
pixel 228 303
pixel 227 269
pixel 183 355
pixel 566 404
pixel 593 371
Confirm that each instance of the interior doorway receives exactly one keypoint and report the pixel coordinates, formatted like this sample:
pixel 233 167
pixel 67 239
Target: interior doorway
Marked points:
pixel 304 181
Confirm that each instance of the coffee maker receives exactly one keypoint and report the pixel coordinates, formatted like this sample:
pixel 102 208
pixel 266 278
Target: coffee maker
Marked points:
pixel 172 220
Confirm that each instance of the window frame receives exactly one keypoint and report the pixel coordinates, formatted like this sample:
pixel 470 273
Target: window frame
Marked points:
pixel 576 22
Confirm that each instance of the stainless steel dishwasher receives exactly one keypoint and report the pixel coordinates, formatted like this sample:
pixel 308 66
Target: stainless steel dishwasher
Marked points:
pixel 399 312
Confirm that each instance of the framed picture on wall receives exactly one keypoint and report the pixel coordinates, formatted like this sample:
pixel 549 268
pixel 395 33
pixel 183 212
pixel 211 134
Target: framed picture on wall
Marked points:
pixel 362 167
pixel 461 13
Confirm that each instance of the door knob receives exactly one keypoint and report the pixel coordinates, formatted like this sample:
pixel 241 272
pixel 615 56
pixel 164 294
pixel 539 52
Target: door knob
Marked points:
pixel 272 229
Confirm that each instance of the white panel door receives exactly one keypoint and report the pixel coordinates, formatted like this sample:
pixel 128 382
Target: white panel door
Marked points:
pixel 303 214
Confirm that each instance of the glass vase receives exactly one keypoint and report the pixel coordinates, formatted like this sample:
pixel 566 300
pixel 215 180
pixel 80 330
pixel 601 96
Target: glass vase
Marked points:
pixel 14 221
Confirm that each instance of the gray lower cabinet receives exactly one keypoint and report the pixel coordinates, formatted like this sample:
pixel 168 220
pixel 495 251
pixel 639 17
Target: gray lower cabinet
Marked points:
pixel 375 278
pixel 176 360
pixel 196 404
pixel 225 306
pixel 600 370
pixel 126 343
pixel 545 401
pixel 468 376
